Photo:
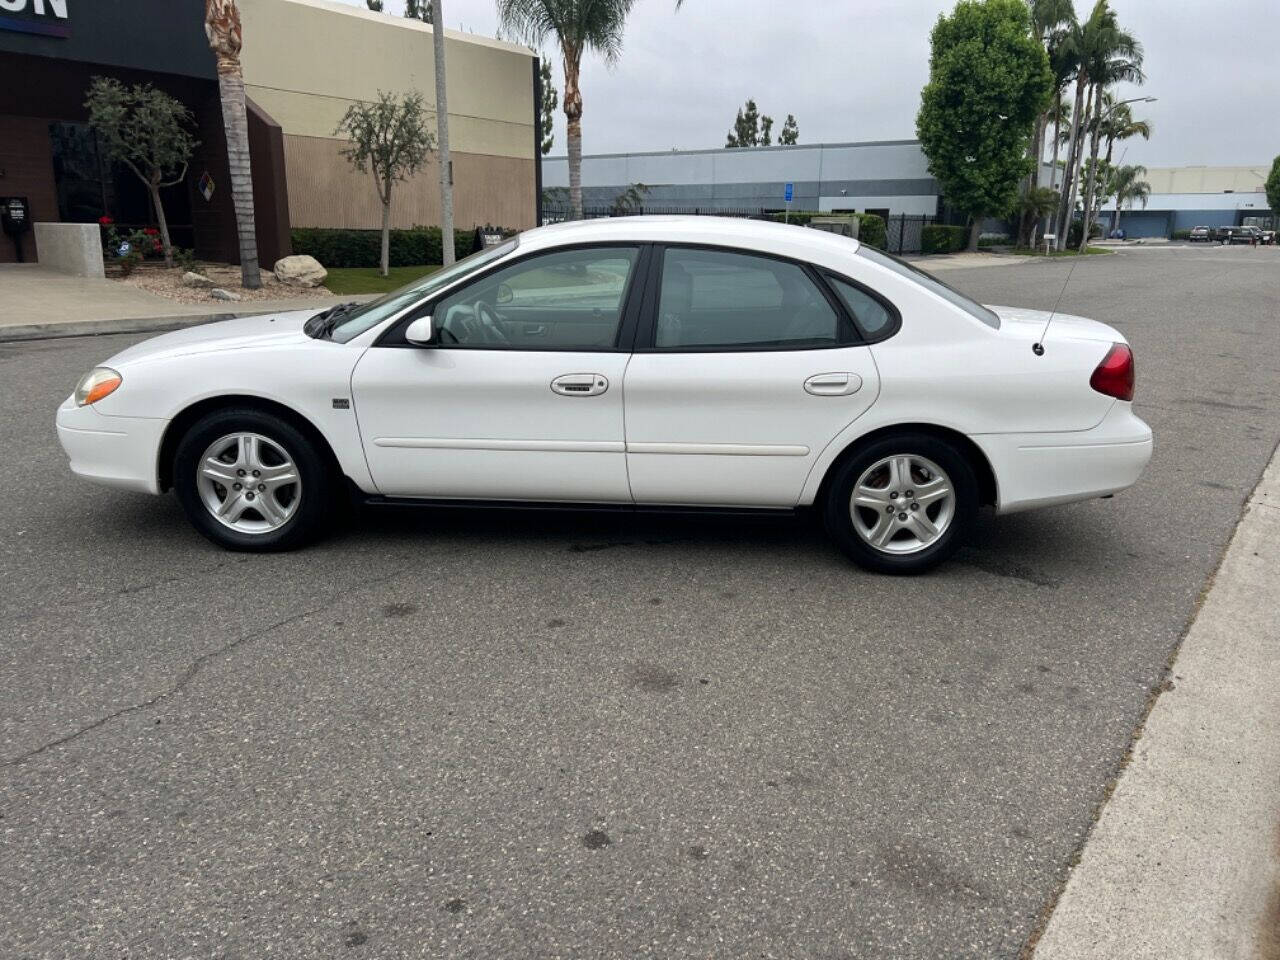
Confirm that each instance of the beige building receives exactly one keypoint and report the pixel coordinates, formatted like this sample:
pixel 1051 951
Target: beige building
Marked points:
pixel 306 61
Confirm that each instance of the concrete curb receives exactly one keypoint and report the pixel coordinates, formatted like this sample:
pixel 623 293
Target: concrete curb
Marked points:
pixel 97 328
pixel 157 324
pixel 1185 858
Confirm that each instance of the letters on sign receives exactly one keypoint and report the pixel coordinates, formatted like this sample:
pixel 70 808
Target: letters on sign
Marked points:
pixel 44 17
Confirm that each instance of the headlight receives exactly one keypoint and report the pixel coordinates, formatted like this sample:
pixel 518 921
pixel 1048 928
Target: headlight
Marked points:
pixel 98 383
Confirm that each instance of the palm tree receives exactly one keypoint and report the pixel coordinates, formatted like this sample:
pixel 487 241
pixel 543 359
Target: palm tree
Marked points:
pixel 1049 20
pixel 1120 124
pixel 222 26
pixel 1059 113
pixel 579 26
pixel 1033 204
pixel 1111 56
pixel 1127 185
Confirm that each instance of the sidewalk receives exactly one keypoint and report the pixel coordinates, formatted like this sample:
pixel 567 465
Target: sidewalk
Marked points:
pixel 965 260
pixel 1184 862
pixel 36 303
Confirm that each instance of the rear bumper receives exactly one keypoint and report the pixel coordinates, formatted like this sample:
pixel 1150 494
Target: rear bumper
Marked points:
pixel 1043 469
pixel 117 451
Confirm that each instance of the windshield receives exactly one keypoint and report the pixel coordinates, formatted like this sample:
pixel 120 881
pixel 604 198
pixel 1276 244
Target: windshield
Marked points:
pixel 359 319
pixel 931 283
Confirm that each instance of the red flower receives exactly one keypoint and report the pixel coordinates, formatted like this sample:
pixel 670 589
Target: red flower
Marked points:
pixel 159 247
pixel 151 232
pixel 105 221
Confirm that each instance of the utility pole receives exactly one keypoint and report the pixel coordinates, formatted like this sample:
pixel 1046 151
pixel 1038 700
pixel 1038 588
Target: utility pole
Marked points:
pixel 442 135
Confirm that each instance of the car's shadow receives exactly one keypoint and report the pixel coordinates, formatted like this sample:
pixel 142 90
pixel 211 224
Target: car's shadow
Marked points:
pixel 1017 546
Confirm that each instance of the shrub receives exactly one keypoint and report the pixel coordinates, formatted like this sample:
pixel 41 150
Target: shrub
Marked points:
pixel 1178 234
pixel 129 262
pixel 994 240
pixel 363 248
pixel 1077 227
pixel 940 238
pixel 871 229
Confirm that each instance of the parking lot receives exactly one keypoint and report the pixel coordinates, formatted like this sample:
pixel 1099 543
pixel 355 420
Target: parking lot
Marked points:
pixel 504 734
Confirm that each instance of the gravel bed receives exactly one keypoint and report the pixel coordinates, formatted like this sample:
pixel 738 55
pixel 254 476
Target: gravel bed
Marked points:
pixel 168 283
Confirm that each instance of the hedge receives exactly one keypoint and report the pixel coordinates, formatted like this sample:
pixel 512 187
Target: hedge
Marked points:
pixel 871 228
pixel 363 248
pixel 941 238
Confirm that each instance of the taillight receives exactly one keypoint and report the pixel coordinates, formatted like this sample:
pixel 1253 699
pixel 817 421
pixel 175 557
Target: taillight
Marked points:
pixel 1114 375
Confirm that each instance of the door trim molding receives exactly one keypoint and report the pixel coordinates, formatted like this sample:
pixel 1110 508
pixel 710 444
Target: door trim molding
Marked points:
pixel 512 446
pixel 720 449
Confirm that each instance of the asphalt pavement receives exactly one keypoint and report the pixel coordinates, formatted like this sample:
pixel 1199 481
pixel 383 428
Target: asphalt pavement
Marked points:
pixel 512 735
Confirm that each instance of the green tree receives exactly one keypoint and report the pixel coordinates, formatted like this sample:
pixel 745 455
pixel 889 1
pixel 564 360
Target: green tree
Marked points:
pixel 1034 203
pixel 374 5
pixel 580 26
pixel 630 200
pixel 418 10
pixel 750 129
pixel 547 111
pixel 1110 55
pixel 1126 184
pixel 1273 190
pixel 790 132
pixel 388 138
pixel 147 131
pixel 989 79
pixel 1119 123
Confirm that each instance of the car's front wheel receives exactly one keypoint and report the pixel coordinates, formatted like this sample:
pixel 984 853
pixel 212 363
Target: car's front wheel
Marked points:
pixel 249 480
pixel 902 504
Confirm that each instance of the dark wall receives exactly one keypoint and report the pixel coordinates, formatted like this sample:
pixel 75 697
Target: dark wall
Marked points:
pixel 54 90
pixel 165 36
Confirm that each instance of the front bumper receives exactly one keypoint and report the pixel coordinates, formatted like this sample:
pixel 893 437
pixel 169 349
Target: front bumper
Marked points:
pixel 118 451
pixel 1043 469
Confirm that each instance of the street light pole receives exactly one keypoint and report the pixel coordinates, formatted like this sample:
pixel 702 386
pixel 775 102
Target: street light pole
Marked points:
pixel 1094 181
pixel 442 136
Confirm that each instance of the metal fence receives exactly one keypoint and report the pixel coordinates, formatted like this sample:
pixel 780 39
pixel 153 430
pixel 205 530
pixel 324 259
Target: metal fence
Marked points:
pixel 903 231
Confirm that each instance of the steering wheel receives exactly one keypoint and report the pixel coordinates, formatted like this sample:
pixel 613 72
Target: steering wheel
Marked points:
pixel 489 323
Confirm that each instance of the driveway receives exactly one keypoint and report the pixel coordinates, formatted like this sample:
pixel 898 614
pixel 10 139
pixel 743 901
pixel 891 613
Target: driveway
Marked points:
pixel 513 735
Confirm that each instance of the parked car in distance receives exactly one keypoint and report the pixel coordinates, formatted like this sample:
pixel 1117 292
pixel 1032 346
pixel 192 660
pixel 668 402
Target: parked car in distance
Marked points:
pixel 1200 235
pixel 1267 235
pixel 1238 234
pixel 635 362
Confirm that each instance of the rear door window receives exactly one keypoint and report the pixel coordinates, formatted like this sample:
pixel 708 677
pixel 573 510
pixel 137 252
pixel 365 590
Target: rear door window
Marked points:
pixel 719 299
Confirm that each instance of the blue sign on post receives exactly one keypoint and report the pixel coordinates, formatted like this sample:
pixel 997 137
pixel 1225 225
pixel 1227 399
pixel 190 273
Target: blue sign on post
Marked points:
pixel 790 191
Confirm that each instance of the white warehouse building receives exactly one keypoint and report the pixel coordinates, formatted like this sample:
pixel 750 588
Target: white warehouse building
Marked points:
pixel 888 177
pixel 1186 197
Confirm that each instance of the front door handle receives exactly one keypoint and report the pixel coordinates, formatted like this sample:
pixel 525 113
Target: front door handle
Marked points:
pixel 833 384
pixel 580 384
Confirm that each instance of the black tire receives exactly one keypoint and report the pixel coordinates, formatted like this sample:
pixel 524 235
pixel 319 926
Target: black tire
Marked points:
pixel 315 494
pixel 838 513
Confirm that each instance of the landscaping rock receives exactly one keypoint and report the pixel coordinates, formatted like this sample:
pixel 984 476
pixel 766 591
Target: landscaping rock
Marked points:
pixel 192 279
pixel 300 271
pixel 219 294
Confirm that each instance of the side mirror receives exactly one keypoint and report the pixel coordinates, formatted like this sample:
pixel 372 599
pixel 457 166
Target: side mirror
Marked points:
pixel 420 331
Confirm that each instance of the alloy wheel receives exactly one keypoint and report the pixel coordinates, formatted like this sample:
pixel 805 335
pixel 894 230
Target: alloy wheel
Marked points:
pixel 248 482
pixel 902 504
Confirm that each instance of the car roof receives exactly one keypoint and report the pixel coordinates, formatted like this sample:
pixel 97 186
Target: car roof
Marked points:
pixel 761 235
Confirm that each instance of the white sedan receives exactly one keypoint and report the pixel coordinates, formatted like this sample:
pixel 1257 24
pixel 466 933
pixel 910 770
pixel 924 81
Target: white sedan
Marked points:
pixel 639 362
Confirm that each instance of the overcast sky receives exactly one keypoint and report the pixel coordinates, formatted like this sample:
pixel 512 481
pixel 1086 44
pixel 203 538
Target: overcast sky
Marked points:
pixel 853 69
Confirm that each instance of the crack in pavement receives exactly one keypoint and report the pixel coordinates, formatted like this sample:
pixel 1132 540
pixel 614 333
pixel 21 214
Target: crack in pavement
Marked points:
pixel 188 675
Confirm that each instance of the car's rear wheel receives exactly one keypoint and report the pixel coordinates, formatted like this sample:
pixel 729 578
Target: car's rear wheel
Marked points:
pixel 249 480
pixel 902 504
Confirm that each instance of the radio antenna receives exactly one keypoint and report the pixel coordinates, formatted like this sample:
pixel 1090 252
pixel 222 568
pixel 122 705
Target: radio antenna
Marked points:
pixel 1038 347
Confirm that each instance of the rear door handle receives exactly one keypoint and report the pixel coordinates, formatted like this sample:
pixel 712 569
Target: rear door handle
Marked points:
pixel 580 384
pixel 833 384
